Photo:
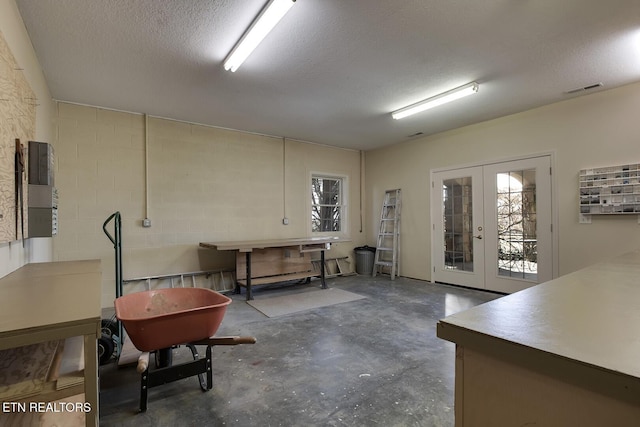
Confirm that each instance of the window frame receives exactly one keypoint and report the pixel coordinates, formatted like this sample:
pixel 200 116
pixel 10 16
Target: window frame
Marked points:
pixel 343 205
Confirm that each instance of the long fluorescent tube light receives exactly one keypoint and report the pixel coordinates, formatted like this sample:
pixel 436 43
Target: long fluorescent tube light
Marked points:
pixel 443 98
pixel 264 23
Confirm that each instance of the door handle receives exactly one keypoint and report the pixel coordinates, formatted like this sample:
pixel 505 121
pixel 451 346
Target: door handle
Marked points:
pixel 479 237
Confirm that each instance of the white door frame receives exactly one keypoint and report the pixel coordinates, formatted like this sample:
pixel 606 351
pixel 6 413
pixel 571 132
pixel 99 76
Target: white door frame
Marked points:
pixel 435 210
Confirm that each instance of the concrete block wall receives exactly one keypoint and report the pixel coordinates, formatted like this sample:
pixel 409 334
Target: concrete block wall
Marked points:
pixel 204 184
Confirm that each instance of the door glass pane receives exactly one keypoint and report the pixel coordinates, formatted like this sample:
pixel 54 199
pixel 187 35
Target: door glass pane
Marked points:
pixel 517 239
pixel 458 221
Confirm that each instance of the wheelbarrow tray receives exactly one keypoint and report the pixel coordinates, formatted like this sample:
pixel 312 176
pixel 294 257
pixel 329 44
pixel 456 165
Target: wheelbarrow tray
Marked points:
pixel 162 318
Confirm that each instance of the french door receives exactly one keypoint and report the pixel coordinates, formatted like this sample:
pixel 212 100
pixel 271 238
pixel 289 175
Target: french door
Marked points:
pixel 492 225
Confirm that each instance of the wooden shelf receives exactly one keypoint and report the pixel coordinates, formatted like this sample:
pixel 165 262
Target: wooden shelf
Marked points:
pixel 279 278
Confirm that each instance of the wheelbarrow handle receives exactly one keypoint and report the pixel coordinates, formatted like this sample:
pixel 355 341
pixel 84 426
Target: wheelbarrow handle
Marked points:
pixel 226 341
pixel 143 362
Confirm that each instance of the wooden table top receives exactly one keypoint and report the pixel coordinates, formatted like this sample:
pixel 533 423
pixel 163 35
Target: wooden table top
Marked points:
pixel 249 245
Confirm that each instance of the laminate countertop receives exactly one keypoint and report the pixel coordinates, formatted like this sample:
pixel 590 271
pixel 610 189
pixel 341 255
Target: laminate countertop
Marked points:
pixel 590 317
pixel 40 295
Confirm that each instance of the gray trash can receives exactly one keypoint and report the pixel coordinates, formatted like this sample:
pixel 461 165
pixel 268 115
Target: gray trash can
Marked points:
pixel 364 259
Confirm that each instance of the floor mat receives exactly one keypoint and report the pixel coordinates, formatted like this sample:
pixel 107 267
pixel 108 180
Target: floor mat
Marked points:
pixel 294 303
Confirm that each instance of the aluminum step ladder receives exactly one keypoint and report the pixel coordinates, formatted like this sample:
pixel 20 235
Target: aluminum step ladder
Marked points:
pixel 387 256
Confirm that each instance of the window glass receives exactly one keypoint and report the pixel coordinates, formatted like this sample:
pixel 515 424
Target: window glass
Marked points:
pixel 327 207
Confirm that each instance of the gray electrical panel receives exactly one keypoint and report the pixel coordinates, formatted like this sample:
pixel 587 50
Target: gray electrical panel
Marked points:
pixel 43 196
pixel 40 163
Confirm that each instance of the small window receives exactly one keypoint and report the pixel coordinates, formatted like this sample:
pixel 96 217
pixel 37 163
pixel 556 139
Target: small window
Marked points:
pixel 327 206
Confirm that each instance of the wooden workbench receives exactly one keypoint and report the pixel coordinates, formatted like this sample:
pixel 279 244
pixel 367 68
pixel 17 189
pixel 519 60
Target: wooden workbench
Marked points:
pixel 54 301
pixel 565 352
pixel 275 260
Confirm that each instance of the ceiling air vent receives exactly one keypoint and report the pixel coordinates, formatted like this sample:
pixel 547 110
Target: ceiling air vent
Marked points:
pixel 585 88
pixel 416 134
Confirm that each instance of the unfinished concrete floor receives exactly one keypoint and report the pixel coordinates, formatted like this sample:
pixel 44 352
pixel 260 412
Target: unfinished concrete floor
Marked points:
pixel 374 361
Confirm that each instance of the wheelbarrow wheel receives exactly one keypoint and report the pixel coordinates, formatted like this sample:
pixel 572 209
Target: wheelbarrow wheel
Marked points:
pixel 109 327
pixel 105 348
pixel 164 358
pixel 201 379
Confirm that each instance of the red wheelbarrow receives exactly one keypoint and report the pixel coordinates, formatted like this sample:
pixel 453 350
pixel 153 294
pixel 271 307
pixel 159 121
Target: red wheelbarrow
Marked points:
pixel 159 320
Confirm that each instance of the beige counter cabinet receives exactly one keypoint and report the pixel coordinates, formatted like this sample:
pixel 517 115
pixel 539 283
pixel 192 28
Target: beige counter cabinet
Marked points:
pixel 55 301
pixel 565 352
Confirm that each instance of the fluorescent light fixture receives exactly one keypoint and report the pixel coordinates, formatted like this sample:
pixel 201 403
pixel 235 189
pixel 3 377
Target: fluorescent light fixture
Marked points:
pixel 264 23
pixel 443 98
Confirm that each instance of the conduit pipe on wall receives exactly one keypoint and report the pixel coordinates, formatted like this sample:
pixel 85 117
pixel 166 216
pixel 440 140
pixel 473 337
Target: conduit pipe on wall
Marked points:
pixel 361 189
pixel 285 220
pixel 146 222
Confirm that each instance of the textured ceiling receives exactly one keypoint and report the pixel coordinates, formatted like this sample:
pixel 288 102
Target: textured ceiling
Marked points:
pixel 332 70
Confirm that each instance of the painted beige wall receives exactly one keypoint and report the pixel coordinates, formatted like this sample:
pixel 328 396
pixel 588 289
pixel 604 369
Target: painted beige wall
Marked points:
pixel 14 255
pixel 100 161
pixel 594 130
pixel 205 184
